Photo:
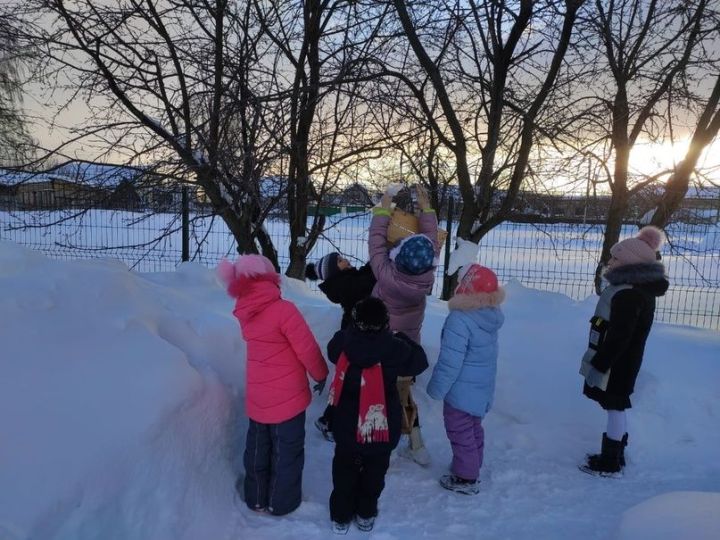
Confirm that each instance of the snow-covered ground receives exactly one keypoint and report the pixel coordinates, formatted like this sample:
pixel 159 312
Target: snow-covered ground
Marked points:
pixel 121 417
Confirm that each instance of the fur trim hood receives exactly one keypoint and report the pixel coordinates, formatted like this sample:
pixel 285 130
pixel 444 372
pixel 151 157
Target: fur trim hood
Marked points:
pixel 469 302
pixel 636 274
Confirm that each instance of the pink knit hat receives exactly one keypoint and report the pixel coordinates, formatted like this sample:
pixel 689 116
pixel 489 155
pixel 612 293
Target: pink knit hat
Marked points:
pixel 641 249
pixel 246 269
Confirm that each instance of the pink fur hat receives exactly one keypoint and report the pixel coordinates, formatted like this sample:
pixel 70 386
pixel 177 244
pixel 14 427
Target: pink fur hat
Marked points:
pixel 643 248
pixel 246 269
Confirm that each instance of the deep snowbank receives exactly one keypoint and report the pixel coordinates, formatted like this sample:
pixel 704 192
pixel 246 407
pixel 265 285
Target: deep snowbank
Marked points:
pixel 121 418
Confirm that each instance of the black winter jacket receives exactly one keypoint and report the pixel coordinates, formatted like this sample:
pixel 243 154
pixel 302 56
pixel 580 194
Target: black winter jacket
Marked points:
pixel 631 316
pixel 348 287
pixel 398 356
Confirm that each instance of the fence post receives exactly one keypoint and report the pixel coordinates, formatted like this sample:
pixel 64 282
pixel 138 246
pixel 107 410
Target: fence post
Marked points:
pixel 446 278
pixel 185 224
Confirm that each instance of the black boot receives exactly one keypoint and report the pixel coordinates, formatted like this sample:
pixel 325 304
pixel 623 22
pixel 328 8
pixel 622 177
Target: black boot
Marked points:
pixel 611 459
pixel 622 450
pixel 595 457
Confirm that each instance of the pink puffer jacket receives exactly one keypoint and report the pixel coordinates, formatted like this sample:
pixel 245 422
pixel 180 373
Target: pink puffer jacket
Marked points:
pixel 281 349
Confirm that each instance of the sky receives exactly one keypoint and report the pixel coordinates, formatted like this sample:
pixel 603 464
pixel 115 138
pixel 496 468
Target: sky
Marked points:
pixel 122 417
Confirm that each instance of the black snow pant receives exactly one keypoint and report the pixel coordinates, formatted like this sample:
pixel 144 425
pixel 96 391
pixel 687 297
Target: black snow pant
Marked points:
pixel 358 482
pixel 274 459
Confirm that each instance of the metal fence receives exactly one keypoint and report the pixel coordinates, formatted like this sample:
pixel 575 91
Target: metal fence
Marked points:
pixel 558 257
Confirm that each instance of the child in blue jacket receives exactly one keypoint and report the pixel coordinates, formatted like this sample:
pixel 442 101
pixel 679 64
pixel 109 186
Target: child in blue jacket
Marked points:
pixel 464 376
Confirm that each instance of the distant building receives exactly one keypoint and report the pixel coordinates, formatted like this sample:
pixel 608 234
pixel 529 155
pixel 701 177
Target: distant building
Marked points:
pixel 700 205
pixel 81 184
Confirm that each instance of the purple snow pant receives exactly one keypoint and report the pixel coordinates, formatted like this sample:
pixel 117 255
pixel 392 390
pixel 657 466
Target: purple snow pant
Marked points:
pixel 467 439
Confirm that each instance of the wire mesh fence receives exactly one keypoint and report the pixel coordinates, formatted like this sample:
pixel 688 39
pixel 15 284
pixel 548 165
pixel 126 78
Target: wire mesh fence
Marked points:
pixel 558 257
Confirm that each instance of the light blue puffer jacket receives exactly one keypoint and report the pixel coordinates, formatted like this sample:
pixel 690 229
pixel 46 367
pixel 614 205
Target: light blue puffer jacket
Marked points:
pixel 464 375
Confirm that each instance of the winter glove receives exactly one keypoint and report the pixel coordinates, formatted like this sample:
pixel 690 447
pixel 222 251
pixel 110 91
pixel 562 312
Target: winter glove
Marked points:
pixel 319 386
pixel 595 378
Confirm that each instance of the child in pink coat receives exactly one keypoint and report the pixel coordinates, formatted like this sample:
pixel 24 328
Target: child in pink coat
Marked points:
pixel 281 350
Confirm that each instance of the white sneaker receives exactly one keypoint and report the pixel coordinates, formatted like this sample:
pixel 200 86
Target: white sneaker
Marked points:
pixel 415 449
pixel 419 455
pixel 340 528
pixel 365 524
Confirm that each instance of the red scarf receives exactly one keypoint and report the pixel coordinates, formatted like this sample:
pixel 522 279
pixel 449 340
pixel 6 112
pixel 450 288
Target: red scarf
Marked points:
pixel 372 413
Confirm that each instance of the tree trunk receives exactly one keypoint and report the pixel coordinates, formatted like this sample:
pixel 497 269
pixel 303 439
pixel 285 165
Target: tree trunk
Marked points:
pixel 238 224
pixel 613 226
pixel 305 100
pixel 676 188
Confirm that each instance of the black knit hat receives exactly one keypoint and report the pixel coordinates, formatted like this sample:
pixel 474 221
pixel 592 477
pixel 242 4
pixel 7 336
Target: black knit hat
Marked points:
pixel 370 315
pixel 325 268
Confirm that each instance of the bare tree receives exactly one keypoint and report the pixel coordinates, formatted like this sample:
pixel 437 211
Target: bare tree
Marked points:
pixel 327 131
pixel 15 142
pixel 647 47
pixel 493 92
pixel 178 83
pixel 677 185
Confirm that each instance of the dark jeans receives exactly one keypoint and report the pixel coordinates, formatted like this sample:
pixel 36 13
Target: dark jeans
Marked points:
pixel 274 459
pixel 358 482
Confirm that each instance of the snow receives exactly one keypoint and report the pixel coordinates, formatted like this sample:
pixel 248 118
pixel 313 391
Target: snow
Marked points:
pixel 121 417
pixel 16 178
pixel 96 174
pixel 464 254
pixel 673 516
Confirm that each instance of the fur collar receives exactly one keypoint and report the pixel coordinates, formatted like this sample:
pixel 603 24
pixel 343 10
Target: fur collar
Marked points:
pixel 469 302
pixel 636 274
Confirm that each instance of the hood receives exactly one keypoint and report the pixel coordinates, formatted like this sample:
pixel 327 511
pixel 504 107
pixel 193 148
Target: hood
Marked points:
pixel 649 276
pixel 256 296
pixel 489 319
pixel 415 284
pixel 365 349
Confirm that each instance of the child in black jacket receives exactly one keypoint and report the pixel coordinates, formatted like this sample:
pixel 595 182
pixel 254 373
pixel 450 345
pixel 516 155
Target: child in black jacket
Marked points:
pixel 346 285
pixel 367 417
pixel 342 283
pixel 620 327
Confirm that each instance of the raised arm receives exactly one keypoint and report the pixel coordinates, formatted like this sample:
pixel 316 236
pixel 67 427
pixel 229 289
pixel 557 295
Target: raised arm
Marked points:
pixel 377 239
pixel 427 222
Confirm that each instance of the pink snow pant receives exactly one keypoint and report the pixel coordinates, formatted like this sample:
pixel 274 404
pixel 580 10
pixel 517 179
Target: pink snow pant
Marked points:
pixel 467 439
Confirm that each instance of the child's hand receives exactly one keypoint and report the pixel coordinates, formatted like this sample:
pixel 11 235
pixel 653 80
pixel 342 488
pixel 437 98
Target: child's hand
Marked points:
pixel 594 378
pixel 319 387
pixel 423 199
